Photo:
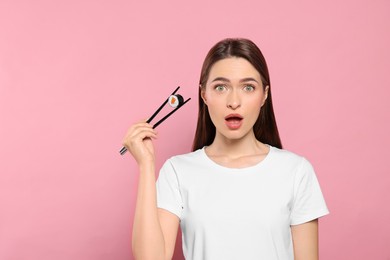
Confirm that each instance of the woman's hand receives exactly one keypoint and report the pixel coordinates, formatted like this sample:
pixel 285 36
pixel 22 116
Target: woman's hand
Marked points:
pixel 138 142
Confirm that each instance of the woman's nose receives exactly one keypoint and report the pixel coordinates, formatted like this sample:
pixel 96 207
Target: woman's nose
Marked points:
pixel 233 101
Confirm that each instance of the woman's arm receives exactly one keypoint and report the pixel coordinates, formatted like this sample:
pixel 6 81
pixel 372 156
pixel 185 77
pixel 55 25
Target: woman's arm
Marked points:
pixel 154 232
pixel 169 225
pixel 305 240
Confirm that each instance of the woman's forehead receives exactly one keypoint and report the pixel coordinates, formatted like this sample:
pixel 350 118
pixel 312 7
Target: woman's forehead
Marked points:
pixel 233 69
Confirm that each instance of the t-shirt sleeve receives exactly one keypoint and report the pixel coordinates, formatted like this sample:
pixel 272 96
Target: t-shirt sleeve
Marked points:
pixel 168 190
pixel 309 202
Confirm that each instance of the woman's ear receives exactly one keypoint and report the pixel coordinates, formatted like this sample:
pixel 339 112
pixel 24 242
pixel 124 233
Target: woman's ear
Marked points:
pixel 265 95
pixel 203 94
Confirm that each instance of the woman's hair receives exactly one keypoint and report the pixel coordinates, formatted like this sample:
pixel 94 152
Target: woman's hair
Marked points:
pixel 265 128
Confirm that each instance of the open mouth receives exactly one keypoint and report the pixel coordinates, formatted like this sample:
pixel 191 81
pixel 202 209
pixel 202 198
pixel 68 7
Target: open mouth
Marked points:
pixel 233 117
pixel 233 121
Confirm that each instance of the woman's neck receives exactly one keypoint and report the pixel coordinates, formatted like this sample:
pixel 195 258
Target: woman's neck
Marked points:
pixel 236 148
pixel 237 153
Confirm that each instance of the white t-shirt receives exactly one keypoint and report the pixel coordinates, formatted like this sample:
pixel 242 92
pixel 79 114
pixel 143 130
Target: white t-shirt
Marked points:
pixel 227 213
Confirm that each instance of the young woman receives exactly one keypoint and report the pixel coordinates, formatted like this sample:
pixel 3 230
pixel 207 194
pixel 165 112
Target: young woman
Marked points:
pixel 238 195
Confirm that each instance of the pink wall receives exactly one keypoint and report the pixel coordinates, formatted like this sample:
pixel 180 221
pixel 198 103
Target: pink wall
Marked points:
pixel 72 74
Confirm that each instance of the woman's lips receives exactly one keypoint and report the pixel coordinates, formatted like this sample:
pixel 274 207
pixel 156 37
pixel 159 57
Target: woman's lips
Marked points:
pixel 233 121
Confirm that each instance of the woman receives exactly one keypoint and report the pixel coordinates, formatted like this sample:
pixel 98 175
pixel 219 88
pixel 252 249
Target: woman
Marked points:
pixel 238 195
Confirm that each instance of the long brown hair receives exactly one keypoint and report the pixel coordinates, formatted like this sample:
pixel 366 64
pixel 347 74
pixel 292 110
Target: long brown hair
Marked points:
pixel 265 128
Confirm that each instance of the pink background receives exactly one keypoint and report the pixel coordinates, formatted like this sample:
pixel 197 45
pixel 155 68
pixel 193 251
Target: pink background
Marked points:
pixel 75 74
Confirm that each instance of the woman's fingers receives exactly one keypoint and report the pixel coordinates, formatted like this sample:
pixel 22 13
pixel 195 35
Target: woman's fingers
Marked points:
pixel 137 141
pixel 139 132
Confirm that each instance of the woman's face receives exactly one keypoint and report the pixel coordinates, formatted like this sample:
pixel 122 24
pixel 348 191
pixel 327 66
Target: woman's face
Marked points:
pixel 234 96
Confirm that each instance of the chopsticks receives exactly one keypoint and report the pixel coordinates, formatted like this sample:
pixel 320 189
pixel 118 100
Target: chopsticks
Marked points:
pixel 180 104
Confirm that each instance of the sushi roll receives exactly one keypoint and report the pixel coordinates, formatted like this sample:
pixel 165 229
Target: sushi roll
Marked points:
pixel 175 100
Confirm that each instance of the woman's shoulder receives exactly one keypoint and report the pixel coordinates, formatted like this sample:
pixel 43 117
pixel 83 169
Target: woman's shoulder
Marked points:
pixel 187 157
pixel 285 153
pixel 287 157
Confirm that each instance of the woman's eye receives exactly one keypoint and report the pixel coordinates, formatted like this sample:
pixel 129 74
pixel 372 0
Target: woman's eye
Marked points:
pixel 249 88
pixel 220 88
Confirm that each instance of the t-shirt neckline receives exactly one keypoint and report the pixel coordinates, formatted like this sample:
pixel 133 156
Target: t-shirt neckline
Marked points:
pixel 259 164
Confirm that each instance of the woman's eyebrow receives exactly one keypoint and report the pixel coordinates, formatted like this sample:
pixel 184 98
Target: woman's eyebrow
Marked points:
pixel 248 79
pixel 221 79
pixel 241 80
